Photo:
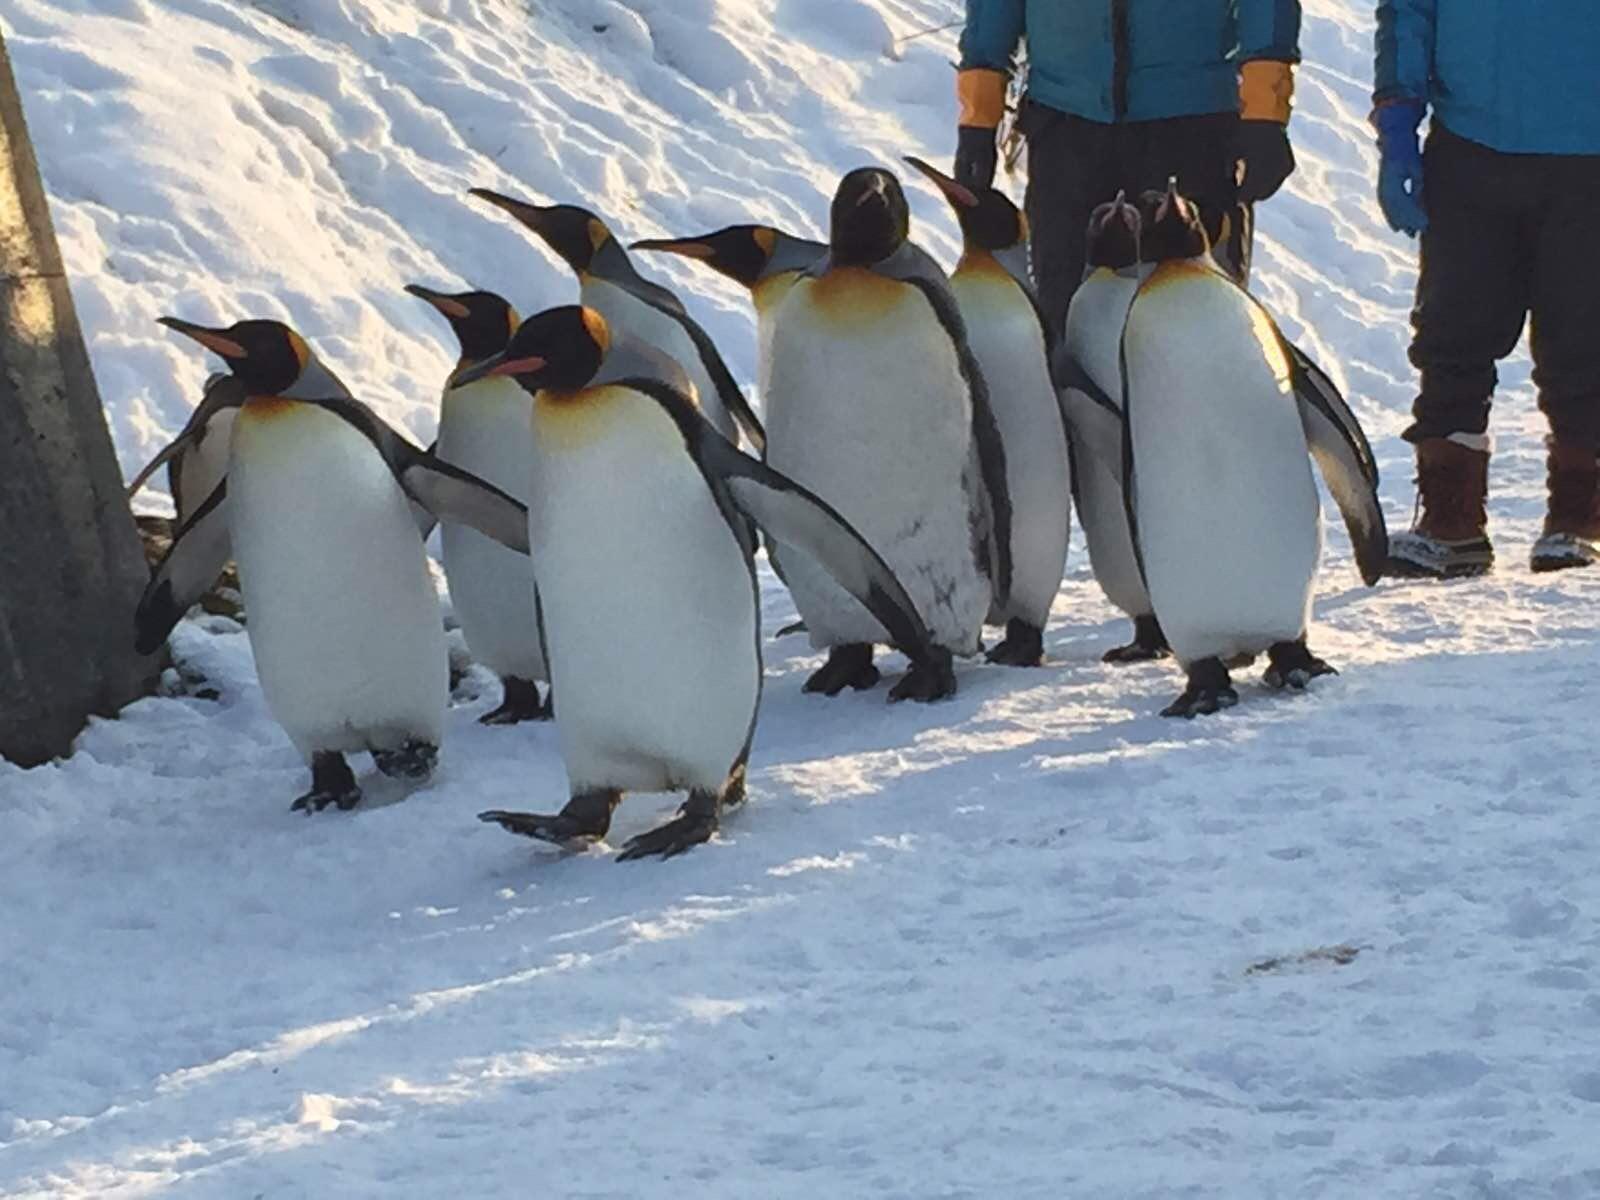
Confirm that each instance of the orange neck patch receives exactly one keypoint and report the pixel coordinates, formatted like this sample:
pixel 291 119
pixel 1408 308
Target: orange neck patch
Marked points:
pixel 267 408
pixel 855 295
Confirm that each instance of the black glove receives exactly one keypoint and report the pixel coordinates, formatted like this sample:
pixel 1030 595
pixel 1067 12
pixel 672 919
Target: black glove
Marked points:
pixel 976 157
pixel 1263 147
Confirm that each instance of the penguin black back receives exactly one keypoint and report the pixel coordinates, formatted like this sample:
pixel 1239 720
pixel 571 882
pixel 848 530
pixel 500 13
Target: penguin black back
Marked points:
pixel 1172 227
pixel 870 218
pixel 1115 230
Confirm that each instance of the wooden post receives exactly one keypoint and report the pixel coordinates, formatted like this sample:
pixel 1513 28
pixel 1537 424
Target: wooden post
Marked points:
pixel 71 566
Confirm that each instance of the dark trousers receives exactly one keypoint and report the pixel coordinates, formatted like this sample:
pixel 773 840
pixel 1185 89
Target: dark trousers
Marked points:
pixel 1074 165
pixel 1508 235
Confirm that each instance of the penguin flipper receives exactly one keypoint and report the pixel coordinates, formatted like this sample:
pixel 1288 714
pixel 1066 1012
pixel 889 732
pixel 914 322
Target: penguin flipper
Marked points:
pixel 196 557
pixel 803 521
pixel 728 390
pixel 1345 460
pixel 221 391
pixel 451 494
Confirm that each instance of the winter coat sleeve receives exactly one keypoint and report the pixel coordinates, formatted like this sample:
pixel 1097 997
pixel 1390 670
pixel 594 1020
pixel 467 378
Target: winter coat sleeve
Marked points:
pixel 1269 29
pixel 1405 49
pixel 991 34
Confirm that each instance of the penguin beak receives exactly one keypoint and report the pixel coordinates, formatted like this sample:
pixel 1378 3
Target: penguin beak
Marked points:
pixel 496 366
pixel 448 305
pixel 214 340
pixel 958 194
pixel 530 215
pixel 688 247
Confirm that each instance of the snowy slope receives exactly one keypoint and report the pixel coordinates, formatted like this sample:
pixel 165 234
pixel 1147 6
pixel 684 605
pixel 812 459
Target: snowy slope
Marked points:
pixel 1000 947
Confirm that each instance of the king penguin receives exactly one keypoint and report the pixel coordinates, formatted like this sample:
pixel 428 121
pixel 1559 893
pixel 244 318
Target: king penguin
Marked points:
pixel 640 515
pixel 1089 373
pixel 877 404
pixel 484 428
pixel 765 260
pixel 1013 348
pixel 611 285
pixel 1220 412
pixel 344 620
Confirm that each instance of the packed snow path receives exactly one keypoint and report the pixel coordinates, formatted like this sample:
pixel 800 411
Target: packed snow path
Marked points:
pixel 1036 942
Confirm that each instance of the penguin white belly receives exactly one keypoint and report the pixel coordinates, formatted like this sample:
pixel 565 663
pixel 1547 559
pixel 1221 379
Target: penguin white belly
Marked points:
pixel 342 614
pixel 1227 511
pixel 649 604
pixel 1094 337
pixel 655 328
pixel 1006 337
pixel 487 428
pixel 868 409
pixel 201 467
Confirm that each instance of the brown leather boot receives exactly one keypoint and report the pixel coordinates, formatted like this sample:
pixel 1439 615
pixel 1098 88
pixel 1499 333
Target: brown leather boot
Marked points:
pixel 1572 522
pixel 1450 536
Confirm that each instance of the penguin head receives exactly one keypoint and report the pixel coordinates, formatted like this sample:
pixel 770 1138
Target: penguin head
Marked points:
pixel 1115 229
pixel 741 252
pixel 266 357
pixel 483 322
pixel 870 218
pixel 575 234
pixel 558 350
pixel 988 219
pixel 1172 227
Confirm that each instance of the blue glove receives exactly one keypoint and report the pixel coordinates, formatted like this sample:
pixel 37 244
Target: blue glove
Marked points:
pixel 1400 167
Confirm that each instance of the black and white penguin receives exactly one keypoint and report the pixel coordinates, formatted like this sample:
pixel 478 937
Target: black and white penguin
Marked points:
pixel 1089 373
pixel 765 260
pixel 1220 412
pixel 611 285
pixel 1013 347
pixel 343 617
pixel 877 404
pixel 639 515
pixel 484 428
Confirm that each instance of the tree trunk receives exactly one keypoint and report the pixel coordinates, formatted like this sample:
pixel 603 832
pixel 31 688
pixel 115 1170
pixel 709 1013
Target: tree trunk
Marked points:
pixel 71 566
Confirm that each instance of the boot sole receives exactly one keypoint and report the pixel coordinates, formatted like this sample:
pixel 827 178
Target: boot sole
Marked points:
pixel 1405 568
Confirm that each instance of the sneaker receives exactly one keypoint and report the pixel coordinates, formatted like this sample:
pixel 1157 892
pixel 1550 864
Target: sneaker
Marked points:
pixel 1449 536
pixel 1572 523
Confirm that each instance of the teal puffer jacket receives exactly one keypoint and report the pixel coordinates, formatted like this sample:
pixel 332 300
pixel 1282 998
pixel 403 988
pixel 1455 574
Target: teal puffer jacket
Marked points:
pixel 1132 60
pixel 1514 75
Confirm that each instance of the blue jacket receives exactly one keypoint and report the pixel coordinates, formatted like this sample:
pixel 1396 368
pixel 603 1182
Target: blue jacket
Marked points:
pixel 1132 60
pixel 1514 75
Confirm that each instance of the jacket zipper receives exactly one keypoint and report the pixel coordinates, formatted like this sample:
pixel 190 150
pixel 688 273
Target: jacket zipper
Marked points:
pixel 1119 59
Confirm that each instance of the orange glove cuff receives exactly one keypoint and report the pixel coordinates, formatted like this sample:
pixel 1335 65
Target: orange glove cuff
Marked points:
pixel 1265 91
pixel 982 94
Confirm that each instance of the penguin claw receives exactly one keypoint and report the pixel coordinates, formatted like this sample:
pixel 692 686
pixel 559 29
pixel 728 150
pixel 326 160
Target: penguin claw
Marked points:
pixel 1134 652
pixel 1293 666
pixel 521 703
pixel 683 832
pixel 315 801
pixel 934 679
pixel 558 829
pixel 1023 646
pixel 1201 702
pixel 848 666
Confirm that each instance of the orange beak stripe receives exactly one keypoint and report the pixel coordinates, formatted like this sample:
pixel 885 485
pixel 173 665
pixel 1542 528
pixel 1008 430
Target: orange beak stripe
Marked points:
pixel 518 366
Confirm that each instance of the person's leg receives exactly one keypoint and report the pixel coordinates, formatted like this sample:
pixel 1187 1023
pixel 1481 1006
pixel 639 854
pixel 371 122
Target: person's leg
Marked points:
pixel 1068 174
pixel 1199 151
pixel 1566 358
pixel 1473 291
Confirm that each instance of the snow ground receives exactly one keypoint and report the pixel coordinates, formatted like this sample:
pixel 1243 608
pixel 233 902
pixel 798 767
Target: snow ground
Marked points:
pixel 1000 947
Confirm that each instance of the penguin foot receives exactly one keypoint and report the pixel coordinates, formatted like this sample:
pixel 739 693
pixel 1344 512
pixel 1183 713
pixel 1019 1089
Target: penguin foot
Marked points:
pixel 1149 643
pixel 332 782
pixel 585 819
pixel 521 703
pixel 733 792
pixel 1293 666
pixel 932 679
pixel 1209 691
pixel 696 821
pixel 414 759
pixel 848 666
pixel 1023 645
